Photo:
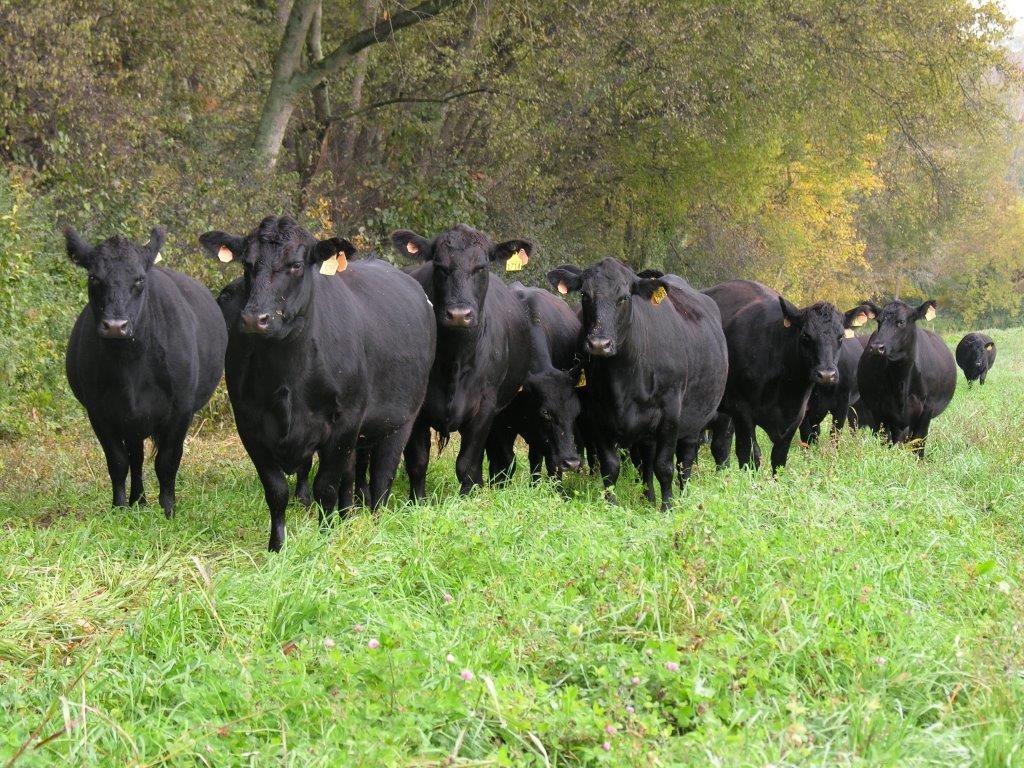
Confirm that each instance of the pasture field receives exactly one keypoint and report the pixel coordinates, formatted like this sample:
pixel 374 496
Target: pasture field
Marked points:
pixel 861 609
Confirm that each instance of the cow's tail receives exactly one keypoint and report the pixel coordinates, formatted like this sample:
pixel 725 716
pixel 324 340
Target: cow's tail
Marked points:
pixel 442 441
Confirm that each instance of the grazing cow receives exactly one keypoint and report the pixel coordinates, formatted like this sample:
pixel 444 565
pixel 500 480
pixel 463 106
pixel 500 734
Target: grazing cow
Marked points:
pixel 839 400
pixel 326 357
pixel 907 375
pixel 231 300
pixel 777 354
pixel 483 345
pixel 657 367
pixel 975 355
pixel 146 353
pixel 544 413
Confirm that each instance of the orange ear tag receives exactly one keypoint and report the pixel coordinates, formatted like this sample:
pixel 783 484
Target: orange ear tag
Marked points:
pixel 859 320
pixel 563 289
pixel 848 333
pixel 412 248
pixel 659 295
pixel 225 254
pixel 334 265
pixel 785 322
pixel 930 313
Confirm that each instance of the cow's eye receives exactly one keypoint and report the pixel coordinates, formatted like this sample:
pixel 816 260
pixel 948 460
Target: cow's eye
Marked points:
pixel 805 337
pixel 622 300
pixel 478 269
pixel 545 414
pixel 295 267
pixel 139 282
pixel 900 323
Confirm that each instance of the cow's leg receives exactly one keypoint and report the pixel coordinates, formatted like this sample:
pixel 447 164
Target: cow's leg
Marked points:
pixel 537 457
pixel 501 456
pixel 664 461
pixel 780 451
pixel 920 435
pixel 469 466
pixel 745 454
pixel 839 420
pixel 384 464
pixel 302 484
pixel 722 430
pixel 275 491
pixel 136 452
pixel 116 454
pixel 686 451
pixel 417 456
pixel 326 485
pixel 981 379
pixel 170 443
pixel 347 484
pixel 610 463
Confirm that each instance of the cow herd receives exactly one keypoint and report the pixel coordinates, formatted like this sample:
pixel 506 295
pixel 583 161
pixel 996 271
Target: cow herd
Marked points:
pixel 359 362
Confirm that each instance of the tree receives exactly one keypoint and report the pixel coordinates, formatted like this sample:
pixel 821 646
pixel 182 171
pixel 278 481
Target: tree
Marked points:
pixel 290 80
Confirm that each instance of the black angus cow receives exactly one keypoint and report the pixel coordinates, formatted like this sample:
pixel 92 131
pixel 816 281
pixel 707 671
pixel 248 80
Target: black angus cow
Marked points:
pixel 146 353
pixel 656 371
pixel 839 400
pixel 907 375
pixel 483 346
pixel 322 362
pixel 231 300
pixel 975 355
pixel 777 354
pixel 545 412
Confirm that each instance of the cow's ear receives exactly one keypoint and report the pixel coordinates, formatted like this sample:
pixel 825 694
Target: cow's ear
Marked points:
pixel 857 316
pixel 331 254
pixel 79 251
pixel 651 288
pixel 566 278
pixel 151 251
pixel 222 246
pixel 873 309
pixel 990 346
pixel 791 316
pixel 926 311
pixel 516 252
pixel 412 246
pixel 650 273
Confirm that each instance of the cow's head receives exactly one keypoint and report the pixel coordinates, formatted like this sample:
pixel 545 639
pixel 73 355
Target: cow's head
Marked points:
pixel 281 262
pixel 460 257
pixel 819 331
pixel 896 336
pixel 118 269
pixel 608 290
pixel 556 401
pixel 973 356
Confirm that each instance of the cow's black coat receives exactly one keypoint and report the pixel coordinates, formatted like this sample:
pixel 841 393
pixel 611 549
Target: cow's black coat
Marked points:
pixel 907 375
pixel 544 413
pixel 322 364
pixel 975 355
pixel 777 353
pixel 657 367
pixel 146 353
pixel 483 346
pixel 841 400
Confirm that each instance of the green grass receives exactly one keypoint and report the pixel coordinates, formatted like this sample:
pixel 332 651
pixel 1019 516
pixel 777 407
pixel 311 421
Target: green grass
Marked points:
pixel 861 609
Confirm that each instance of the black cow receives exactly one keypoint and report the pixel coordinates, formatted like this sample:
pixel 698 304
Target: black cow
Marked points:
pixel 231 300
pixel 907 375
pixel 657 366
pixel 777 354
pixel 841 399
pixel 544 413
pixel 146 353
pixel 975 355
pixel 483 345
pixel 322 363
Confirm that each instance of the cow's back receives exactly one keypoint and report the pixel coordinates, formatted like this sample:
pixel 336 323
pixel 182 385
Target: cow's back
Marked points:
pixel 560 324
pixel 936 369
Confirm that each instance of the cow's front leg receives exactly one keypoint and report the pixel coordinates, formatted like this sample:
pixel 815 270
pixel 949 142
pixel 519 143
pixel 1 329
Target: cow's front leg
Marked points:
pixel 469 466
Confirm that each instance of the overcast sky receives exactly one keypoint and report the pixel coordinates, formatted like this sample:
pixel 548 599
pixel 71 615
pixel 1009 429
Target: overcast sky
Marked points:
pixel 1014 8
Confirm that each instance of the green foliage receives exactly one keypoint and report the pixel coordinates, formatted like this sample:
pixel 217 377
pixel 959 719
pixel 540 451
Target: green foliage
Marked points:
pixel 863 608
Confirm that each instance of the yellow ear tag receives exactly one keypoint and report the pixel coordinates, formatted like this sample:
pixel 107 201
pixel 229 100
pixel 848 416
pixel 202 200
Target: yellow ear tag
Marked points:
pixel 859 320
pixel 563 288
pixel 930 314
pixel 517 261
pixel 848 333
pixel 329 266
pixel 225 254
pixel 659 295
pixel 990 347
pixel 158 259
pixel 583 380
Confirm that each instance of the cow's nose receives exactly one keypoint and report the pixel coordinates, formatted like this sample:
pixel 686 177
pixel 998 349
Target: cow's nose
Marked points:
pixel 877 348
pixel 826 376
pixel 458 317
pixel 600 346
pixel 255 323
pixel 114 329
pixel 571 464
